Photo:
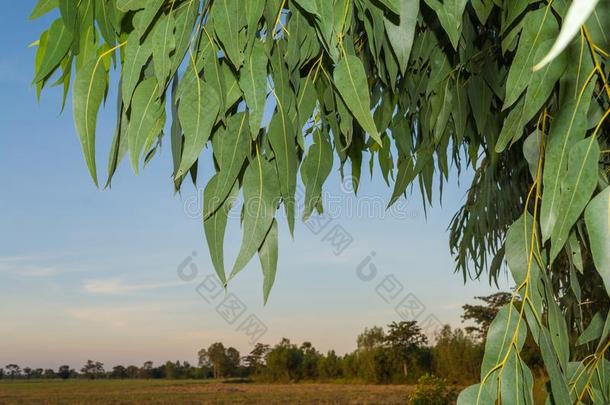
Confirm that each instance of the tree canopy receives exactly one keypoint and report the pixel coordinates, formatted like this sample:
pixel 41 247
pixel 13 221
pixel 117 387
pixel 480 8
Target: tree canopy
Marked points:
pixel 425 88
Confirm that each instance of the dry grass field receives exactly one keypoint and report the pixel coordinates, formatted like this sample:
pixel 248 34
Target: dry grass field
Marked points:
pixel 195 392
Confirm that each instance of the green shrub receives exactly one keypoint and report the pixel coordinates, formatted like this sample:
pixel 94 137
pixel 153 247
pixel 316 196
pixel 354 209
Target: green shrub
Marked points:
pixel 431 390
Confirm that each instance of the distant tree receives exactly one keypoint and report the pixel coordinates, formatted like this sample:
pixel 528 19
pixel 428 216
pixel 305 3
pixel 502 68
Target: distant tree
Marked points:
pixel 371 338
pixel 311 358
pixel 404 339
pixel 27 372
pixel 147 370
pixel 119 372
pixel 64 372
pixel 482 315
pixel 233 362
pixel 13 370
pixel 217 357
pixel 255 361
pixel 93 369
pixel 171 370
pixel 329 366
pixel 1 373
pixel 49 373
pixel 284 361
pixel 132 372
pixel 457 357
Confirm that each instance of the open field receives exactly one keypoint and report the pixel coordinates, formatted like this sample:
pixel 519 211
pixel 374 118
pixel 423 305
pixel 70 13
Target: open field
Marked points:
pixel 191 392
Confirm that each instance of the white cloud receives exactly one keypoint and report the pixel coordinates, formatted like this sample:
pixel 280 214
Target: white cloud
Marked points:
pixel 116 286
pixel 113 316
pixel 25 266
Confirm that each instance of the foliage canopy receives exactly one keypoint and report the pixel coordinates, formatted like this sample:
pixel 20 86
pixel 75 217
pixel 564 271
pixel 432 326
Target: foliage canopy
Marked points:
pixel 419 86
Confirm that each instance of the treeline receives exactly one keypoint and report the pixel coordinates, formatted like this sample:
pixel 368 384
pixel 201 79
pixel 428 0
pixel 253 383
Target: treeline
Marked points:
pixel 399 353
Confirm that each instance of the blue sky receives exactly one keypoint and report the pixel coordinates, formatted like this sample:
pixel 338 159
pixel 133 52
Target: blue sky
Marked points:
pixel 88 273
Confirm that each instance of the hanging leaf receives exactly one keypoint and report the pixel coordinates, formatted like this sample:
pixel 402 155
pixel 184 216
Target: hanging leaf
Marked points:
pixel 253 82
pixel 261 196
pixel 349 77
pixel 89 88
pixel 136 56
pixel 576 190
pixel 226 15
pixel 282 135
pixel 214 226
pixel 401 34
pixel 576 16
pixel 538 26
pixel 230 149
pixel 314 171
pixel 268 258
pixel 163 43
pixel 58 44
pixel 566 130
pixel 449 14
pixel 597 218
pixel 147 117
pixel 197 111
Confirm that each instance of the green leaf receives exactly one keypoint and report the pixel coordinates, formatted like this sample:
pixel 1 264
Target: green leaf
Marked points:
pixel 68 10
pixel 214 227
pixel 43 7
pixel 597 218
pixel 559 386
pixel 516 382
pixel 197 111
pixel 401 33
pixel 58 44
pixel 253 82
pixel 106 18
pixel 538 26
pixel 143 19
pixel 281 135
pixel 89 89
pixel 566 130
pixel 261 196
pixel 475 394
pixel 593 331
pixel 226 15
pixel 230 149
pixel 405 176
pixel 576 189
pixel 350 79
pixel 268 258
pixel 129 5
pixel 575 17
pixel 394 6
pixel 449 14
pixel 163 43
pixel 519 255
pixel 147 115
pixel 185 18
pixel 315 169
pixel 499 337
pixel 531 151
pixel 136 56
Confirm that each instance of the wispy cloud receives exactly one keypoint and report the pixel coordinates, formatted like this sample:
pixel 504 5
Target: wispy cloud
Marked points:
pixel 116 286
pixel 26 266
pixel 113 316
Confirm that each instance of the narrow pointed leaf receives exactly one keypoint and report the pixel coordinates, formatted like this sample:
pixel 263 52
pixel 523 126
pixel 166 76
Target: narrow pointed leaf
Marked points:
pixel 89 88
pixel 268 254
pixel 350 79
pixel 597 218
pixel 261 195
pixel 253 82
pixel 197 111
